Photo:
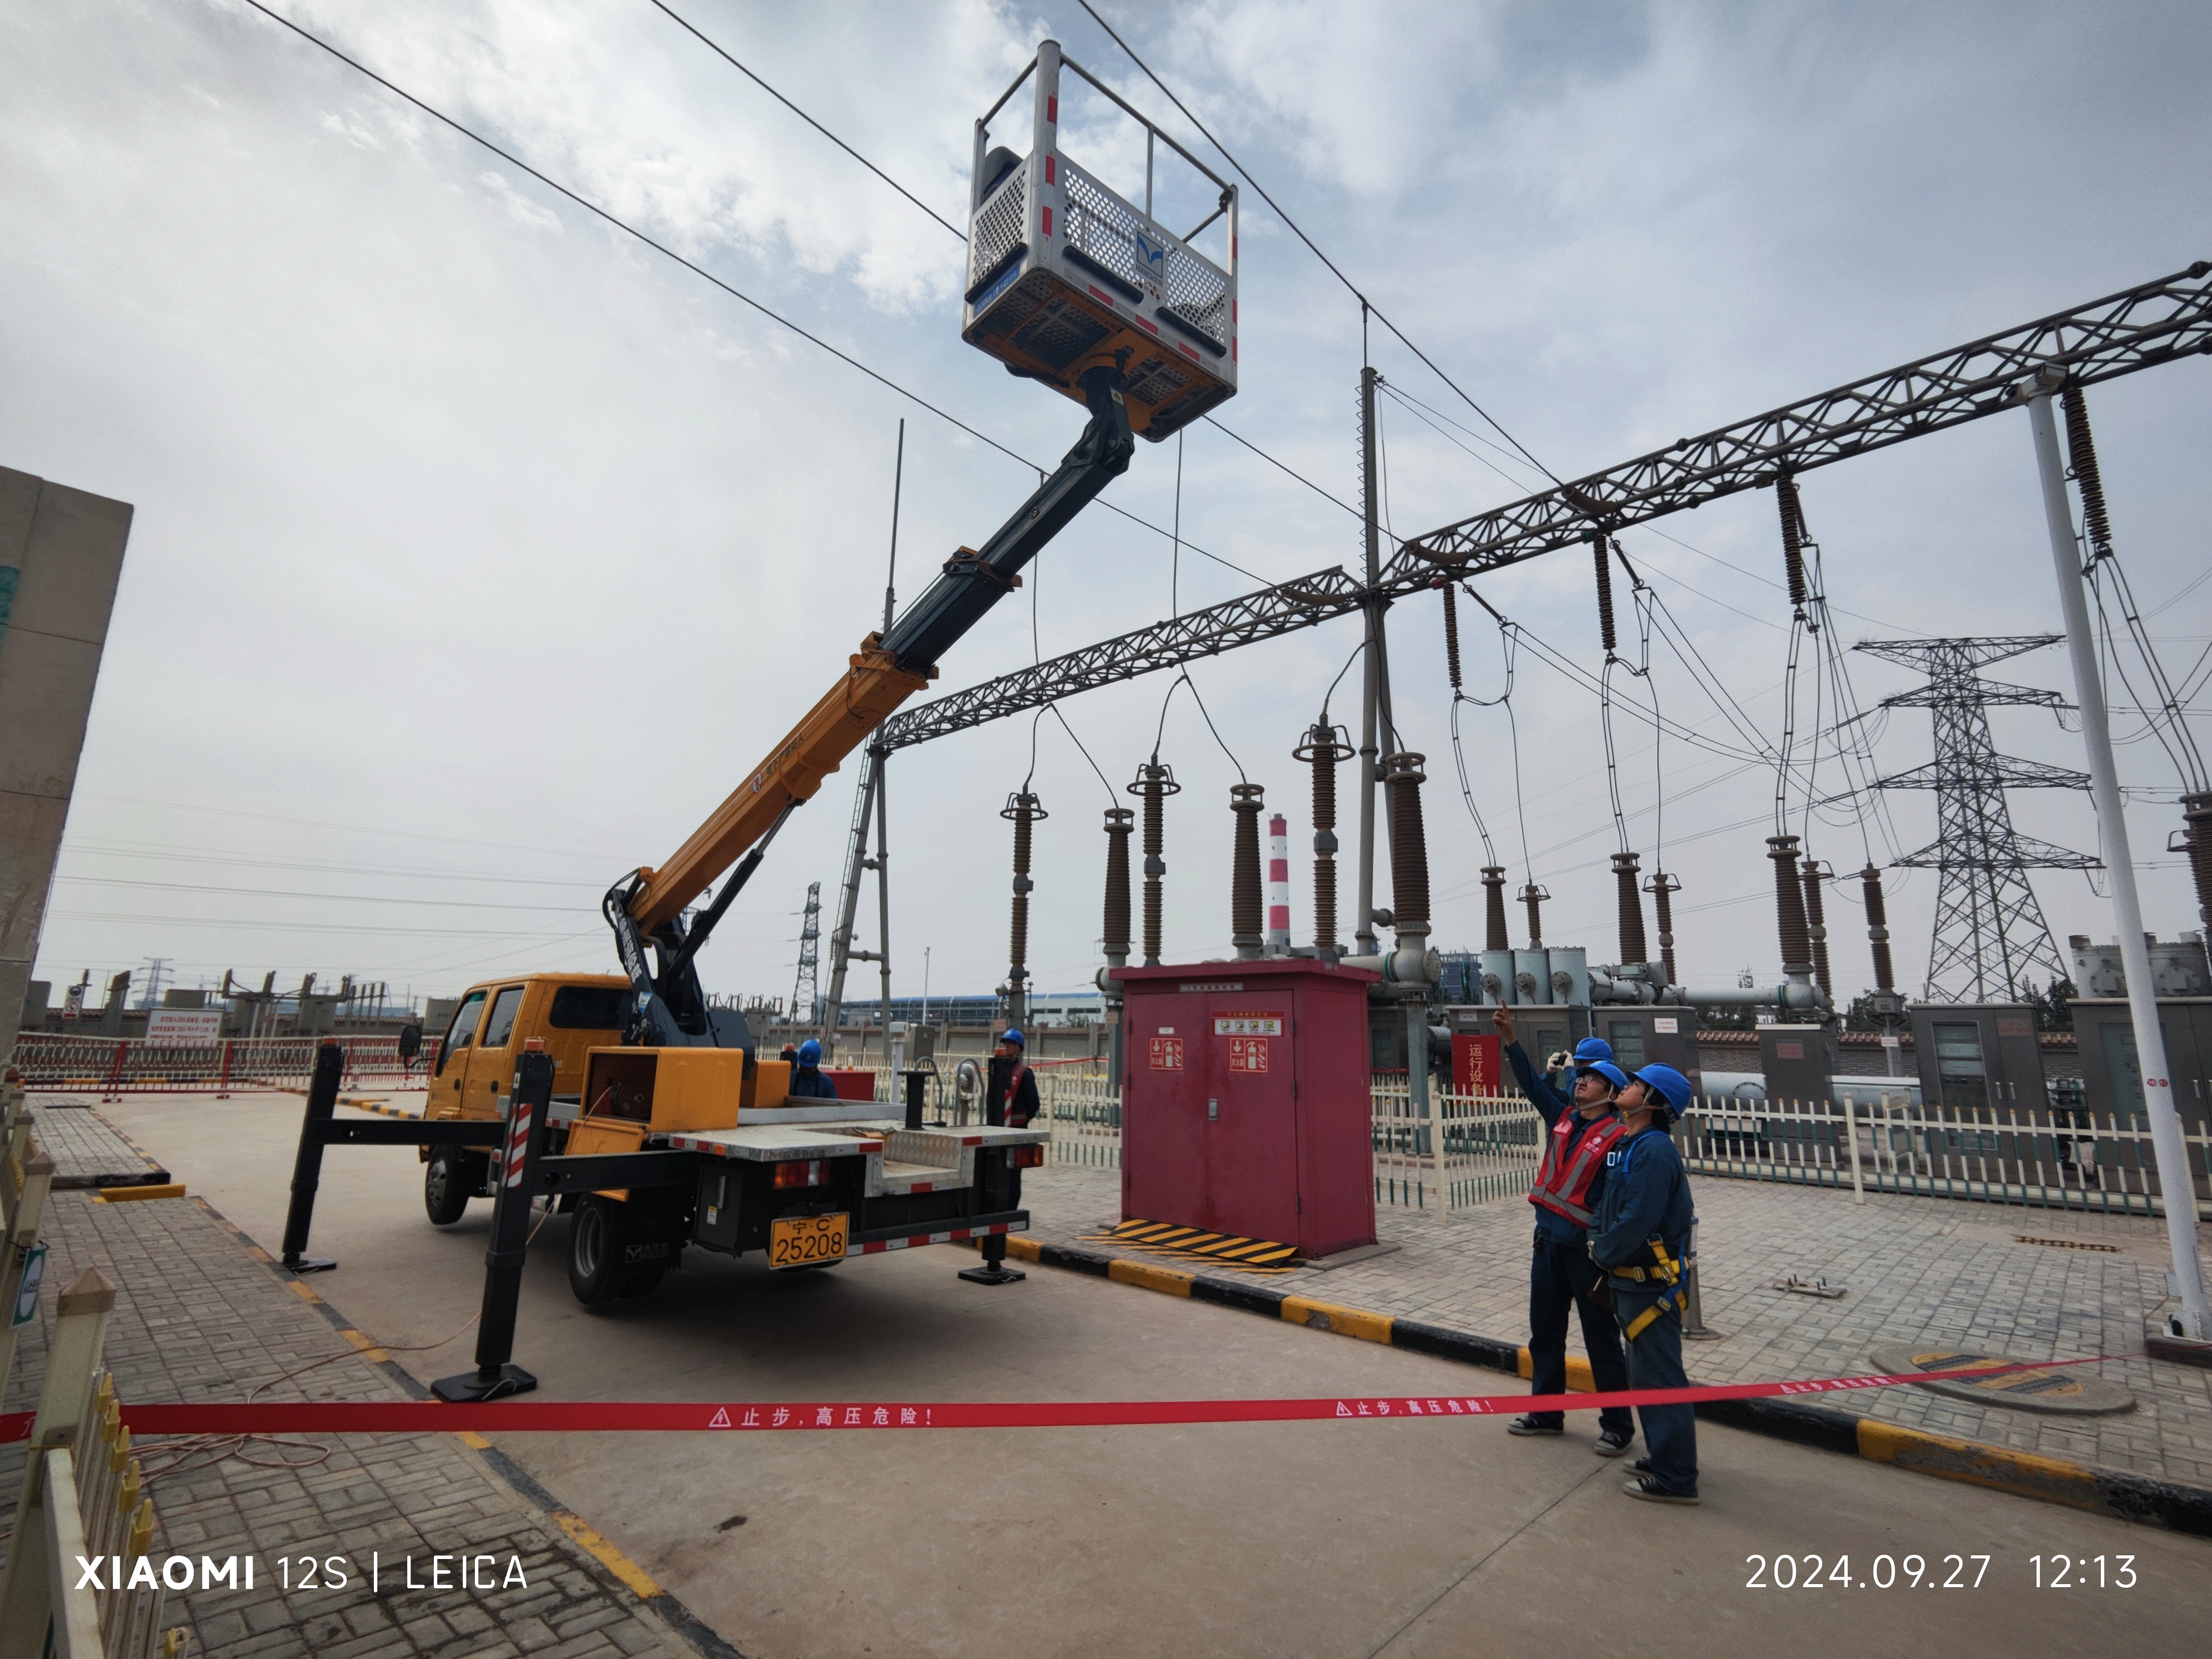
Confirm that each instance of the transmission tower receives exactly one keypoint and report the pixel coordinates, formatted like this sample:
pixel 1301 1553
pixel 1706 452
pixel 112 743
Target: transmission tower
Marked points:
pixel 1990 940
pixel 803 989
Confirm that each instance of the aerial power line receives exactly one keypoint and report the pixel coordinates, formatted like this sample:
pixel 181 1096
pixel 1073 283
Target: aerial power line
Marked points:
pixel 699 270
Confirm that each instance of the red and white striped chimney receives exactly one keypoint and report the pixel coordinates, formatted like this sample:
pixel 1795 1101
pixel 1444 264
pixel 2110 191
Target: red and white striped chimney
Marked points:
pixel 1279 887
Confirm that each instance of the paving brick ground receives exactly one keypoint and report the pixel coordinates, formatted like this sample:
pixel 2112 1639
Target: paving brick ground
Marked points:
pixel 1918 1270
pixel 85 1151
pixel 199 1317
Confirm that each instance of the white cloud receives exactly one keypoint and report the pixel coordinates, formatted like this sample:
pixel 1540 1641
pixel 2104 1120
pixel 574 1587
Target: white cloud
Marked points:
pixel 447 527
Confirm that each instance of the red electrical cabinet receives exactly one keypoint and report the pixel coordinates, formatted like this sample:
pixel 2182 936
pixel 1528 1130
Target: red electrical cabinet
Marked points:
pixel 1244 1101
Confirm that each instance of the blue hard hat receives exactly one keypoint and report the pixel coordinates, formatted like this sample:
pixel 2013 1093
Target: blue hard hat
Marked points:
pixel 1009 1035
pixel 1611 1072
pixel 1670 1085
pixel 810 1053
pixel 1590 1050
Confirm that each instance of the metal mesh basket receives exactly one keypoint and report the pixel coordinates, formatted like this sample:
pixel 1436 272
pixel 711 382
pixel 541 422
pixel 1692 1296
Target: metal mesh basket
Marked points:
pixel 999 226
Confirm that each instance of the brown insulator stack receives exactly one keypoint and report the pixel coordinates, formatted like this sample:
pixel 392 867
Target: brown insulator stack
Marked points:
pixel 2081 455
pixel 2196 813
pixel 1403 778
pixel 1633 949
pixel 1885 975
pixel 1120 821
pixel 1605 631
pixel 1325 746
pixel 1793 538
pixel 1789 906
pixel 1663 888
pixel 1154 784
pixel 1451 632
pixel 1024 810
pixel 1533 897
pixel 1494 908
pixel 1245 911
pixel 1816 921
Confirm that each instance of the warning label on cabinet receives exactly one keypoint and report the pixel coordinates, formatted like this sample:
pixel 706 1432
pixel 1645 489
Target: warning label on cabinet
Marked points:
pixel 1248 1053
pixel 1167 1053
pixel 1236 1025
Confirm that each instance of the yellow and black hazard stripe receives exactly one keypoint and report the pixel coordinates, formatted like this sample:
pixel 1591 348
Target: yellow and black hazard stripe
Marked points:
pixel 1262 1255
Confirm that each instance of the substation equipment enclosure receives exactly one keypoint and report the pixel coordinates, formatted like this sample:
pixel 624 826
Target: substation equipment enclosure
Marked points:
pixel 1979 1053
pixel 1245 1101
pixel 2112 1081
pixel 1061 269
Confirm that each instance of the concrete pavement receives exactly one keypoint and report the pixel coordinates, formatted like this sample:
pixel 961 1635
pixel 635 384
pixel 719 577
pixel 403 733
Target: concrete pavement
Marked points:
pixel 1325 1539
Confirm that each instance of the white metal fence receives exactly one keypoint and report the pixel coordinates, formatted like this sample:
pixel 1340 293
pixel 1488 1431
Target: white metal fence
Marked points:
pixel 1483 1148
pixel 2049 1158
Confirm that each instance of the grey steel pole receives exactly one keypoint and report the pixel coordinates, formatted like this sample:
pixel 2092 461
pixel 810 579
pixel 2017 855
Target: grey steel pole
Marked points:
pixel 1363 937
pixel 884 897
pixel 2172 1154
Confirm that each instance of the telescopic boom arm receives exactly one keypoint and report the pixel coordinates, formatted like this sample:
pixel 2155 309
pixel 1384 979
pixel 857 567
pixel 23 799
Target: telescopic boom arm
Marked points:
pixel 646 907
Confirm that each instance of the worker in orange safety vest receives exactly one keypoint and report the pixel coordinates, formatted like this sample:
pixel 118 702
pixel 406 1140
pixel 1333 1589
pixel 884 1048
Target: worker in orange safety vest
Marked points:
pixel 1561 1275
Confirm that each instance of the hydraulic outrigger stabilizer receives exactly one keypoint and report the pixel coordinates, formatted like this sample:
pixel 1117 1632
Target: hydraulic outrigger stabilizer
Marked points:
pixel 668 1007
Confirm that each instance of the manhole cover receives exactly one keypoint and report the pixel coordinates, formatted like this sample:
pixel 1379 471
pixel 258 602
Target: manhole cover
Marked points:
pixel 2066 1389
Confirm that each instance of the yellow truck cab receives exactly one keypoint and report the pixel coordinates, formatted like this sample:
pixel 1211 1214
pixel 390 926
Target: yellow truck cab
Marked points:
pixel 808 1183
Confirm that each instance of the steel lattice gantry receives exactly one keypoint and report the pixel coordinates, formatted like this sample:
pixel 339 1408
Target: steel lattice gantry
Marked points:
pixel 1990 935
pixel 2138 328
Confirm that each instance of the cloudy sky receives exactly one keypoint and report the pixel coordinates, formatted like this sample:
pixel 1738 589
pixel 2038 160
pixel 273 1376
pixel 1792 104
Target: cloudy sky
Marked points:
pixel 479 549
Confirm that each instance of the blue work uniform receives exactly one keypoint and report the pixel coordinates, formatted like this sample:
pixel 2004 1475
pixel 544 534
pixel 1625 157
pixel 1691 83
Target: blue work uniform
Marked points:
pixel 807 1083
pixel 1647 1198
pixel 1561 1276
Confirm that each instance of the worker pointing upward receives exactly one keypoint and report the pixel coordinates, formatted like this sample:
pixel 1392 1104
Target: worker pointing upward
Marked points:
pixel 1583 1130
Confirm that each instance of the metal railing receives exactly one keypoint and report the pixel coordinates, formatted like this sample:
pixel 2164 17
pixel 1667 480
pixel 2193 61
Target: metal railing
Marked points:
pixel 2050 1157
pixel 1475 1149
pixel 83 1501
pixel 121 1065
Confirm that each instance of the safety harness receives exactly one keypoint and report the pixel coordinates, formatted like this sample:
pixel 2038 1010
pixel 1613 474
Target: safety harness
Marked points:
pixel 1654 1266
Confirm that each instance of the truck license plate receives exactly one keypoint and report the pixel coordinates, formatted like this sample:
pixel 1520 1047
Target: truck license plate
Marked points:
pixel 801 1241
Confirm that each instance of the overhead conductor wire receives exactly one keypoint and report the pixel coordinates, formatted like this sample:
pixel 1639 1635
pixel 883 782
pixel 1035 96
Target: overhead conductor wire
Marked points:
pixel 699 270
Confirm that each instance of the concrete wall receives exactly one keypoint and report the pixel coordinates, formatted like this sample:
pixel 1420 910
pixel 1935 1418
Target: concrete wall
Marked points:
pixel 63 551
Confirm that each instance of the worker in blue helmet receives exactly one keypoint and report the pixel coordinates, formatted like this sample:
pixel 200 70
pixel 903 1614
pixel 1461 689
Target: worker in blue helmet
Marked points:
pixel 1021 1097
pixel 1561 1276
pixel 808 1082
pixel 1642 1239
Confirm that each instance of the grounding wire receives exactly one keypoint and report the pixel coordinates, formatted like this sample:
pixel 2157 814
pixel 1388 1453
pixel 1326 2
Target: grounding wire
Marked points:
pixel 1365 304
pixel 735 292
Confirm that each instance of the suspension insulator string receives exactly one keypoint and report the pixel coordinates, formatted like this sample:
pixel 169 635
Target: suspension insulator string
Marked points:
pixel 1605 628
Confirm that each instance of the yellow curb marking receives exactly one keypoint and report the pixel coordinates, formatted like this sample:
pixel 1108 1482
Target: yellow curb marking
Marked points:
pixel 1024 1250
pixel 1151 1278
pixel 303 1292
pixel 470 1438
pixel 362 1342
pixel 606 1554
pixel 2021 1473
pixel 132 1195
pixel 1334 1316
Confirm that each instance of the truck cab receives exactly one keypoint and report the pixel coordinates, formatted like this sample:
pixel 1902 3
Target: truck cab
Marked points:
pixel 808 1183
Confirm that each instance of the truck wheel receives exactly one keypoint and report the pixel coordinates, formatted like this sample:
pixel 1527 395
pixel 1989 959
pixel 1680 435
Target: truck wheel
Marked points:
pixel 446 1185
pixel 643 1281
pixel 596 1273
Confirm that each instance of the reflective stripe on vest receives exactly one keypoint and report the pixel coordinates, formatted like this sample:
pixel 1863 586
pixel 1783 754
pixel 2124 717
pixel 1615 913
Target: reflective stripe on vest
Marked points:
pixel 1563 1184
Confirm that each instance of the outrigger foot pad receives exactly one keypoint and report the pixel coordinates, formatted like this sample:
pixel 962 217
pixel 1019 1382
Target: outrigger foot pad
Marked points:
pixel 309 1264
pixel 485 1382
pixel 992 1273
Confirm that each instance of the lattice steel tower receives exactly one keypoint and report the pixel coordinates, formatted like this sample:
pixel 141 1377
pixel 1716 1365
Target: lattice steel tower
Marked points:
pixel 804 990
pixel 1990 940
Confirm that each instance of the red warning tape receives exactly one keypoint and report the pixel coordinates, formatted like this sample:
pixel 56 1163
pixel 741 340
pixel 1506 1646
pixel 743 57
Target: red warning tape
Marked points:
pixel 545 1416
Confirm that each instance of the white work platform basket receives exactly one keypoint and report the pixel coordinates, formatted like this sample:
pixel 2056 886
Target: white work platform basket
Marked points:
pixel 1063 273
